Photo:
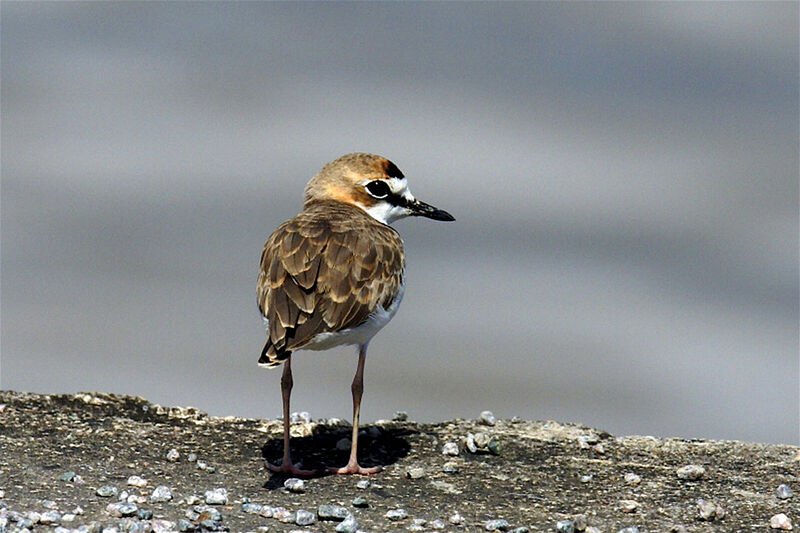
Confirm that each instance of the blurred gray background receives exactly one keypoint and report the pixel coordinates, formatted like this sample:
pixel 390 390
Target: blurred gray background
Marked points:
pixel 624 175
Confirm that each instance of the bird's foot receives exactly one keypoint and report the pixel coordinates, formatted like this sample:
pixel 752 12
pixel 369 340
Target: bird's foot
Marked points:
pixel 354 468
pixel 289 468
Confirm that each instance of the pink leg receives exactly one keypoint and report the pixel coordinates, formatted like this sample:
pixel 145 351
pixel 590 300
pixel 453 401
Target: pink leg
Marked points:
pixel 357 388
pixel 287 467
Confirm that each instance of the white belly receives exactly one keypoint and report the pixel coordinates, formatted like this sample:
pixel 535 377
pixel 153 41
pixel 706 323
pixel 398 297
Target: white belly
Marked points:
pixel 359 334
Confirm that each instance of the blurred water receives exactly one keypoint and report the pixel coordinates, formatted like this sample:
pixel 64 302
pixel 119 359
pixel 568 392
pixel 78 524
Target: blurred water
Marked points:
pixel 625 179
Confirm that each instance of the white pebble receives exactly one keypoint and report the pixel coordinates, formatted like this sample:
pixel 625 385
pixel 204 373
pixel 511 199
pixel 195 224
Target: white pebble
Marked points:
pixel 456 519
pixel 217 496
pixel 487 418
pixel 396 514
pixel 173 455
pixel 294 484
pixel 450 448
pixel 137 481
pixel 691 472
pixel 780 521
pixel 632 479
pixel 162 493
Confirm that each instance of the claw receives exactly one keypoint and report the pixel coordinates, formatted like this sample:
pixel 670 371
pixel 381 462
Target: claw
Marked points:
pixel 354 468
pixel 290 468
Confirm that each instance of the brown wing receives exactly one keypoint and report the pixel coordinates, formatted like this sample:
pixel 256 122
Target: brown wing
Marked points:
pixel 325 270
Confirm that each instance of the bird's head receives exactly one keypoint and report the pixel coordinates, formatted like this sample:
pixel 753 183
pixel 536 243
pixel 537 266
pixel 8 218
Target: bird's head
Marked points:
pixel 372 183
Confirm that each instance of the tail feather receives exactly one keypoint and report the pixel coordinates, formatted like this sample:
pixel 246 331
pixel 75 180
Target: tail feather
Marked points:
pixel 271 357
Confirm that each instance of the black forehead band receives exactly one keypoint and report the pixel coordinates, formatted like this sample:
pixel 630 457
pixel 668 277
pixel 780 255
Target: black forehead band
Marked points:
pixel 393 172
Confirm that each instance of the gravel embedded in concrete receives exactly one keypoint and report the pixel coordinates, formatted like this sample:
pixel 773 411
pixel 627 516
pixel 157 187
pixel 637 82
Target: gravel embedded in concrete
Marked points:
pixel 783 492
pixel 691 472
pixel 450 448
pixel 487 418
pixel 332 512
pixel 218 496
pixel 396 514
pixel 780 521
pixel 497 524
pixel 161 493
pixel 295 485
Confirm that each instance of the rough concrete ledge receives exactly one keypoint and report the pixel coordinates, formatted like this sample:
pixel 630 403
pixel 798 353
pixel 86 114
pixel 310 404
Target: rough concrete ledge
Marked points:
pixel 62 448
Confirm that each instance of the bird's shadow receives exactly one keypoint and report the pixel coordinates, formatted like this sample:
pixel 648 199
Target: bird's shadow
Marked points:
pixel 377 446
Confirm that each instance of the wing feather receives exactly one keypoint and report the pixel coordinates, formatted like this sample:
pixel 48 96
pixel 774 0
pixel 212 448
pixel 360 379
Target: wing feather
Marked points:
pixel 325 270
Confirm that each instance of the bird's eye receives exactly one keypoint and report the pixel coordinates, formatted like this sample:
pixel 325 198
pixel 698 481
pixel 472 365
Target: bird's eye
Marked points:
pixel 378 189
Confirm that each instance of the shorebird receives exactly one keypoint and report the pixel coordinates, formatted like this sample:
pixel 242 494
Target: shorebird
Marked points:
pixel 334 274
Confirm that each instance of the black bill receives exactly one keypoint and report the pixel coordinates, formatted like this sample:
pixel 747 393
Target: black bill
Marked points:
pixel 421 209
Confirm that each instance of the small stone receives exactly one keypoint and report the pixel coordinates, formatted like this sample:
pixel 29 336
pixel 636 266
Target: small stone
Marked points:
pixel 67 476
pixel 162 526
pixel 709 511
pixel 251 508
pixel 281 514
pixel 487 418
pixel 496 525
pixel 628 506
pixel 587 441
pixel 266 511
pixel 192 499
pixel 294 484
pixel 481 443
pixel 580 522
pixel 217 496
pixel 599 448
pixel 173 455
pixel 300 418
pixel 436 524
pixel 456 519
pixel 137 499
pixel 780 521
pixel 121 509
pixel 332 512
pixel 632 479
pixel 396 514
pixel 343 444
pixel 49 504
pixel 363 484
pixel 400 416
pixel 520 529
pixel 204 512
pixel 122 496
pixel 586 478
pixel 210 525
pixel 50 517
pixel 360 501
pixel 348 525
pixel 783 492
pixel 137 481
pixel 450 448
pixel 629 529
pixel 679 528
pixel 144 514
pixel 161 493
pixel 591 529
pixel 691 472
pixel 565 526
pixel 304 518
pixel 68 517
pixel 106 491
pixel 415 472
pixel 192 457
pixel 450 468
pixel 185 525
pixel 34 517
